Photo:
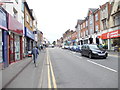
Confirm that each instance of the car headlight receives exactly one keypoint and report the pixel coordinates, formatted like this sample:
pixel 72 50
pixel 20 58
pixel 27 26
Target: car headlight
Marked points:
pixel 94 52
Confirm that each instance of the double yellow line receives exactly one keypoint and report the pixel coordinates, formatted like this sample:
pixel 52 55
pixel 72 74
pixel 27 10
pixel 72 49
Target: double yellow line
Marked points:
pixel 51 76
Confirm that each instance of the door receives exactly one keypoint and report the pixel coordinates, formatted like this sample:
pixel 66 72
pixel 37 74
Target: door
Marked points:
pixel 12 53
pixel 87 50
pixel 1 43
pixel 17 47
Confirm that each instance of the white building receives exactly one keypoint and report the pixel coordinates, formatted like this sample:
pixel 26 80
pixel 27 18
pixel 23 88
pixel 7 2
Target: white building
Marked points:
pixel 15 8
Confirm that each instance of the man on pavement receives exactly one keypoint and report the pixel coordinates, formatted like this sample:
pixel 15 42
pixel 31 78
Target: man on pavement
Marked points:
pixel 35 53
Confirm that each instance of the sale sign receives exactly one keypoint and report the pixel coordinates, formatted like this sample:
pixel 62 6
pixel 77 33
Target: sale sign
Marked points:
pixel 112 34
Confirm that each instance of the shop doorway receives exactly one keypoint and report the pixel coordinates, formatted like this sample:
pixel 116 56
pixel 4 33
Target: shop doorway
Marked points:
pixel 11 44
pixel 17 47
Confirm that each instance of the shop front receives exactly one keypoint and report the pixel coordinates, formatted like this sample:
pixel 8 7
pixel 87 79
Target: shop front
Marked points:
pixel 15 39
pixel 112 38
pixel 3 38
pixel 29 40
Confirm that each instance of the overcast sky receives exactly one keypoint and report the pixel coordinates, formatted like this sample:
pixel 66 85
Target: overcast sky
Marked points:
pixel 56 16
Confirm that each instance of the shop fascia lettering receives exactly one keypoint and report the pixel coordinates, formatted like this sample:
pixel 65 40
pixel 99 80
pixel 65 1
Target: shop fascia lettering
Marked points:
pixel 112 34
pixel 29 33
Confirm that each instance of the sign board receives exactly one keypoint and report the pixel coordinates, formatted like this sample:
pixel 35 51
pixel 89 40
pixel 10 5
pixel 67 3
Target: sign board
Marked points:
pixel 15 26
pixel 3 19
pixel 29 33
pixel 112 34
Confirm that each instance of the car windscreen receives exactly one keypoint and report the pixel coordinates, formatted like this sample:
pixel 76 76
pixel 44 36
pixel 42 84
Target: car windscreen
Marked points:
pixel 94 47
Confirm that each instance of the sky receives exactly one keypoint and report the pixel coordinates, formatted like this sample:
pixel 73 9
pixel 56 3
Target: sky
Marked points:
pixel 57 16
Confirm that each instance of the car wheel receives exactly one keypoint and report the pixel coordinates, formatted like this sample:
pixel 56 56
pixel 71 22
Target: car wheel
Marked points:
pixel 81 54
pixel 90 55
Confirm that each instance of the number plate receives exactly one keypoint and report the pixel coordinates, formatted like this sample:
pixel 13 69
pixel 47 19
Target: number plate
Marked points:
pixel 101 54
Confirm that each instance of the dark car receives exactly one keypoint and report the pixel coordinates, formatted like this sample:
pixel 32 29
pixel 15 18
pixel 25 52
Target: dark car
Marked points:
pixel 78 49
pixel 93 50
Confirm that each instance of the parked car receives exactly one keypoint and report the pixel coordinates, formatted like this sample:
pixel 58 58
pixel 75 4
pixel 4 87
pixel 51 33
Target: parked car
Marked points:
pixel 78 49
pixel 53 46
pixel 66 47
pixel 63 46
pixel 71 47
pixel 29 54
pixel 74 48
pixel 93 50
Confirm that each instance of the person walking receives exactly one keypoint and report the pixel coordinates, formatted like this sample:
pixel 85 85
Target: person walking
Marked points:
pixel 35 54
pixel 103 45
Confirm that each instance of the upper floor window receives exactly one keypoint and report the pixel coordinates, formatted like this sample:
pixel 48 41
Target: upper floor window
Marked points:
pixel 22 7
pixel 96 17
pixel 86 32
pixel 27 18
pixel 81 26
pixel 15 13
pixel 96 28
pixel 104 24
pixel 91 22
pixel 116 19
pixel 86 23
pixel 30 23
pixel 22 18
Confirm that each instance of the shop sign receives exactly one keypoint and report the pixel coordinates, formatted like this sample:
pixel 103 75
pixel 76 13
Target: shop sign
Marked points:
pixel 3 19
pixel 112 34
pixel 29 33
pixel 15 26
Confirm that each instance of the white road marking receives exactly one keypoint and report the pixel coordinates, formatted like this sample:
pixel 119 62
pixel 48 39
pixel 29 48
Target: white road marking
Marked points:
pixel 41 76
pixel 102 66
pixel 73 52
pixel 113 55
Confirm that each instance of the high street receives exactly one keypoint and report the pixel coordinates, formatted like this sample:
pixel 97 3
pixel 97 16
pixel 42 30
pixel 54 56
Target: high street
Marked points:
pixel 60 68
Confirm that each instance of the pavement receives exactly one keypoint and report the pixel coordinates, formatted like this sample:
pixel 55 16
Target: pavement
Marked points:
pixel 13 70
pixel 22 71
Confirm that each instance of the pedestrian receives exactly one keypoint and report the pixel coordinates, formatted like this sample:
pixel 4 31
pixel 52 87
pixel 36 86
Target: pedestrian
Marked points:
pixel 41 47
pixel 35 54
pixel 100 45
pixel 103 45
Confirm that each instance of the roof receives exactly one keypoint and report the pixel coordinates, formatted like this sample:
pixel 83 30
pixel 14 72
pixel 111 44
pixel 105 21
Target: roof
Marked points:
pixel 93 9
pixel 79 21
